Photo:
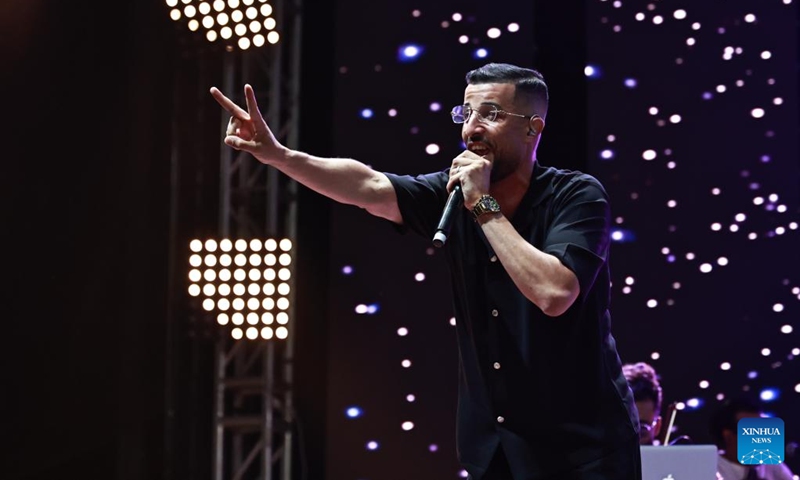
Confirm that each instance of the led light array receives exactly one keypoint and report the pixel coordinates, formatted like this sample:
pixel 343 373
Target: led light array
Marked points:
pixel 245 282
pixel 244 22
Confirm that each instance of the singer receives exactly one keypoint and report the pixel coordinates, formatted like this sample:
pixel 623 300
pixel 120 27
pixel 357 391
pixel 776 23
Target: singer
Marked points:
pixel 541 389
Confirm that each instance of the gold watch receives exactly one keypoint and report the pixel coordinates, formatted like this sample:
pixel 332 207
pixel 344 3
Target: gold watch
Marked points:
pixel 486 204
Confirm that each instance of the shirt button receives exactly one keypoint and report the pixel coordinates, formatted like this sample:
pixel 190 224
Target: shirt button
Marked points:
pixel 493 259
pixel 495 313
pixel 500 419
pixel 497 365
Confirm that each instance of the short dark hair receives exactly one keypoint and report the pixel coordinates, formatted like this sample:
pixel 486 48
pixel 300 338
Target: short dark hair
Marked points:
pixel 724 417
pixel 644 383
pixel 529 83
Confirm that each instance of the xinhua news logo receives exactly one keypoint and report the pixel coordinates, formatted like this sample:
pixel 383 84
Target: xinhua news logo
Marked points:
pixel 760 441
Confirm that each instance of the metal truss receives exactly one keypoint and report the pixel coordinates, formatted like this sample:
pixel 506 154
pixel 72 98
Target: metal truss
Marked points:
pixel 253 397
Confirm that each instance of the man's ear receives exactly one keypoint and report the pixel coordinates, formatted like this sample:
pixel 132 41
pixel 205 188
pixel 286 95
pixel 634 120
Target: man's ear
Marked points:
pixel 535 125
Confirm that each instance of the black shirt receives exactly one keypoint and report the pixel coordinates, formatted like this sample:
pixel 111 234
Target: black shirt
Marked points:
pixel 550 390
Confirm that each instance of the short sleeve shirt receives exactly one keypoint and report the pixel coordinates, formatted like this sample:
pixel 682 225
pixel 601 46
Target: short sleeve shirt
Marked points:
pixel 549 389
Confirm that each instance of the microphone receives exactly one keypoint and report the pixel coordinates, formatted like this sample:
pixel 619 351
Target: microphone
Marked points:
pixel 454 202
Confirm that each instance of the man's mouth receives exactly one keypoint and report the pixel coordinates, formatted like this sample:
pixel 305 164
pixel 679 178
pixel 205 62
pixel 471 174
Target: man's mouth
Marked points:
pixel 478 149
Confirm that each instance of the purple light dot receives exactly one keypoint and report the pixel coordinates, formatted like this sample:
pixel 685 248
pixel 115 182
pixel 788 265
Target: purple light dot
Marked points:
pixel 707 96
pixel 414 130
pixel 433 447
pixel 347 269
pixel 765 159
pixel 751 375
pixel 671 258
pixel 372 445
pixel 630 82
pixel 770 207
pixel 755 186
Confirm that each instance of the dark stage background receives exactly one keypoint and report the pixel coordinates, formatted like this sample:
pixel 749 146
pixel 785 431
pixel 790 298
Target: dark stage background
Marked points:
pixel 110 149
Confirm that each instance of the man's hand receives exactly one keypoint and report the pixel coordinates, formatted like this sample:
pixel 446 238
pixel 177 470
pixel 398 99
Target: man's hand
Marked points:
pixel 473 172
pixel 247 130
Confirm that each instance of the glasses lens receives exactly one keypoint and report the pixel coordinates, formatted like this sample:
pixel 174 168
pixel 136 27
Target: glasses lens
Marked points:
pixel 487 112
pixel 459 113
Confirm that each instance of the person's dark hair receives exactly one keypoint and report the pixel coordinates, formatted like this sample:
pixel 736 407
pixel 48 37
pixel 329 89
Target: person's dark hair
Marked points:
pixel 644 383
pixel 724 417
pixel 529 83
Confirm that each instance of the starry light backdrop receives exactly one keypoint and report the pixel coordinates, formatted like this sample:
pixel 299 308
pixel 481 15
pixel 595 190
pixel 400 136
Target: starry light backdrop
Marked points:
pixel 692 127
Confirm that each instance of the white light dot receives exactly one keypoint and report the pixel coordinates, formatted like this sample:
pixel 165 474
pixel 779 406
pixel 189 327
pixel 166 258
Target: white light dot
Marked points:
pixel 493 32
pixel 777 101
pixel 734 228
pixel 672 203
pixel 703 384
pixel 758 201
pixel 766 54
pixel 740 217
pixel 752 236
pixel 696 26
pixel 658 20
pixel 773 197
pixel 706 267
pixel 655 355
pixel 361 309
pixel 721 88
pixel 777 308
pixel 781 208
pixel 463 39
pixel 675 118
pixel 653 111
pixel 649 155
pixel 410 397
pixel 611 138
pixel 432 149
pixel 607 154
pixel 652 303
pixel 766 352
pixel 690 256
pixel 749 18
pixel 629 281
pixel 722 261
pixel 406 363
pixel 780 231
pixel 456 17
pixel 513 27
pixel 725 366
pixel 407 426
pixel 665 251
pixel 639 16
pixel 676 285
pixel 787 329
pixel 626 290
pixel 402 331
pixel 716 226
pixel 757 112
pixel 679 14
pixel 453 321
pixel 372 445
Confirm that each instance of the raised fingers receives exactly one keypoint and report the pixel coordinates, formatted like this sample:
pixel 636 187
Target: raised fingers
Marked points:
pixel 228 105
pixel 250 98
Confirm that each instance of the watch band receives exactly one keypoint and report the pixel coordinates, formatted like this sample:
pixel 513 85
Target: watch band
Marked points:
pixel 485 204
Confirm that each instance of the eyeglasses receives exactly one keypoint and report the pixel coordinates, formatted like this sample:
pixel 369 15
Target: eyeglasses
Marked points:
pixel 485 113
pixel 646 429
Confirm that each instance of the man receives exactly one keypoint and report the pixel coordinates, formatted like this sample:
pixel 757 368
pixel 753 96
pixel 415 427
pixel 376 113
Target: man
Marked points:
pixel 646 389
pixel 723 424
pixel 541 390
